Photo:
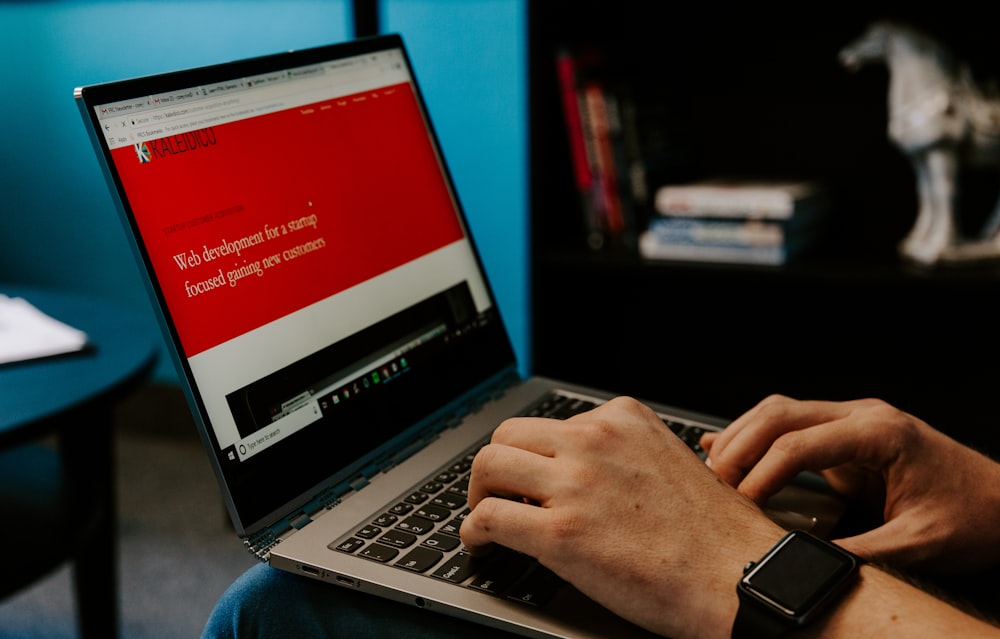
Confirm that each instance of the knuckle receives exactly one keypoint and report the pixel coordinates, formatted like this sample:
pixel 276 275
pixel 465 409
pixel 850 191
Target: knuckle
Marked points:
pixel 630 406
pixel 483 515
pixel 774 399
pixel 485 458
pixel 897 425
pixel 789 443
pixel 773 407
pixel 501 430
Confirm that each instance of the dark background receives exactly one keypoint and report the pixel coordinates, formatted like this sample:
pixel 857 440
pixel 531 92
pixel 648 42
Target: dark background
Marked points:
pixel 753 91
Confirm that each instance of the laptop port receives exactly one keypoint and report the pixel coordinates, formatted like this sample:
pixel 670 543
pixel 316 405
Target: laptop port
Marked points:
pixel 347 581
pixel 310 570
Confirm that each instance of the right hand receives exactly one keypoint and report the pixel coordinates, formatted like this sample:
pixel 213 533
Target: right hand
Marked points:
pixel 940 500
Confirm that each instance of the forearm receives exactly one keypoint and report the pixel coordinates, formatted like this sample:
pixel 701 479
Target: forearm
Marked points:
pixel 881 605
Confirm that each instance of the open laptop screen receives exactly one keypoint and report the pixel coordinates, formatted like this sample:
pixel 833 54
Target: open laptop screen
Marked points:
pixel 304 242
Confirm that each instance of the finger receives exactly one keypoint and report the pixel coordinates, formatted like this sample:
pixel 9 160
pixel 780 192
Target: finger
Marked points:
pixel 735 453
pixel 706 442
pixel 507 471
pixel 512 524
pixel 818 448
pixel 747 418
pixel 537 434
pixel 779 413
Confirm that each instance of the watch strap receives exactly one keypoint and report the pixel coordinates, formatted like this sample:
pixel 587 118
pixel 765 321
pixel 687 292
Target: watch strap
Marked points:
pixel 755 622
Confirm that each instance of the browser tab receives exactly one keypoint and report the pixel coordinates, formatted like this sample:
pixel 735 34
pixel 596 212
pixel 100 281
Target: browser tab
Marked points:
pixel 267 79
pixel 305 72
pixel 224 87
pixel 173 97
pixel 120 108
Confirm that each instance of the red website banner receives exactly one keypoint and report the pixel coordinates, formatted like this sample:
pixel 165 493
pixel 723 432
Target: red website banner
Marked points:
pixel 248 221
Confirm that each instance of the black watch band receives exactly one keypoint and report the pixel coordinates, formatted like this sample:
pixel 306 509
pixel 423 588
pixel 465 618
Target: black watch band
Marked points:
pixel 755 622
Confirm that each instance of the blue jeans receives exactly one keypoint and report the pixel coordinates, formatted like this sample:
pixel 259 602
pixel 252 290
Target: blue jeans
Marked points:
pixel 265 602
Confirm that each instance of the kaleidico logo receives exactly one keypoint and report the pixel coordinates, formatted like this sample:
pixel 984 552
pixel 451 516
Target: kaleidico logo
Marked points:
pixel 143 153
pixel 175 145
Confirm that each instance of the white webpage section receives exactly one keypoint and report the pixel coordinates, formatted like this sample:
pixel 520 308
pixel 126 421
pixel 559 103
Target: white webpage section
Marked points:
pixel 249 357
pixel 145 119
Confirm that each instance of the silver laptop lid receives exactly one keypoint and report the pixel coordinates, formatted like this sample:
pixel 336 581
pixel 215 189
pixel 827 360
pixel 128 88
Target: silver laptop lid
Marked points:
pixel 305 247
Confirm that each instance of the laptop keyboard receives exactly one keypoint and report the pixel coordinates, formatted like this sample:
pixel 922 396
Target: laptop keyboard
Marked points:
pixel 420 533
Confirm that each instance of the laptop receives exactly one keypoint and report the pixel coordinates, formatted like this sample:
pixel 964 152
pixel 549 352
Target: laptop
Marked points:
pixel 333 327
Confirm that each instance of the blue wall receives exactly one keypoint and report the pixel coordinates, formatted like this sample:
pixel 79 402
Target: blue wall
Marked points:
pixel 58 226
pixel 471 59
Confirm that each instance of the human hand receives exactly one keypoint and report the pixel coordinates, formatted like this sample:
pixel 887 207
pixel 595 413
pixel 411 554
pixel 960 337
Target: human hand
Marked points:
pixel 614 503
pixel 939 499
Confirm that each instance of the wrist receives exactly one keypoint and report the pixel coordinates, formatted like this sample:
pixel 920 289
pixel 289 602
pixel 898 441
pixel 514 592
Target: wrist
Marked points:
pixel 883 605
pixel 729 558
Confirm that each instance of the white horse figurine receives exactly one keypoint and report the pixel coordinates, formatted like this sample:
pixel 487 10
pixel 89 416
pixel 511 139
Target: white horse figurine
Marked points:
pixel 938 117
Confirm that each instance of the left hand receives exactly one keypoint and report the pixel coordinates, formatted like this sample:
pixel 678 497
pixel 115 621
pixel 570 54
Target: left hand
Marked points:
pixel 938 498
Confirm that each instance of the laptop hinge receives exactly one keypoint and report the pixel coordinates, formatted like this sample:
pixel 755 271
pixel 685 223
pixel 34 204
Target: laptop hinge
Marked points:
pixel 299 521
pixel 260 543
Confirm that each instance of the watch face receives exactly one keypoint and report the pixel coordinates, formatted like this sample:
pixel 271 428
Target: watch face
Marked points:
pixel 798 573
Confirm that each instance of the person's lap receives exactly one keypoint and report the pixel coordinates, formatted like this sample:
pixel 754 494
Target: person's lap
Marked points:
pixel 266 602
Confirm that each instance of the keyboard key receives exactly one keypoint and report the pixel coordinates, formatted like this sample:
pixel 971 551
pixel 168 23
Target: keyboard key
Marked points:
pixel 446 477
pixel 676 427
pixel 369 532
pixel 431 487
pixel 572 407
pixel 536 588
pixel 433 513
pixel 420 559
pixel 378 552
pixel 691 436
pixel 385 520
pixel 457 569
pixel 460 488
pixel 416 525
pixel 397 538
pixel 349 546
pixel 448 501
pixel 461 466
pixel 545 407
pixel 502 571
pixel 442 542
pixel 401 509
pixel 417 497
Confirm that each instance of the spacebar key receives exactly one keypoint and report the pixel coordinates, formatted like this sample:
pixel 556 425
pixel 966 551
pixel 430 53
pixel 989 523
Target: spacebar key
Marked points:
pixel 536 588
pixel 457 569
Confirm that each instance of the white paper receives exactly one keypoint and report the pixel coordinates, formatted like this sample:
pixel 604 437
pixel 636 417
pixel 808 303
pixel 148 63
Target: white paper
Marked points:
pixel 28 333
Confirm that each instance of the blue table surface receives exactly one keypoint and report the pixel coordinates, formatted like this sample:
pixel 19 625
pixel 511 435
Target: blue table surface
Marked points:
pixel 123 350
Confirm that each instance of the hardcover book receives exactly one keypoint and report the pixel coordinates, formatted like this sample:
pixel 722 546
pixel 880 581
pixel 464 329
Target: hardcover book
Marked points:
pixel 725 198
pixel 723 240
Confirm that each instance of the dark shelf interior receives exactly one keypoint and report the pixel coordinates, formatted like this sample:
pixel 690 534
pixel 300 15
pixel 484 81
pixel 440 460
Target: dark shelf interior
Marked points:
pixel 759 92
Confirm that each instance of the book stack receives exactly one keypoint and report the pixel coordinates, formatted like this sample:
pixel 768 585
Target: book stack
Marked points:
pixel 734 221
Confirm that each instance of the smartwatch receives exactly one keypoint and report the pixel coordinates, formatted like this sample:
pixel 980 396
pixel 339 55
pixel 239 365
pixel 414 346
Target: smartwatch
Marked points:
pixel 791 585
